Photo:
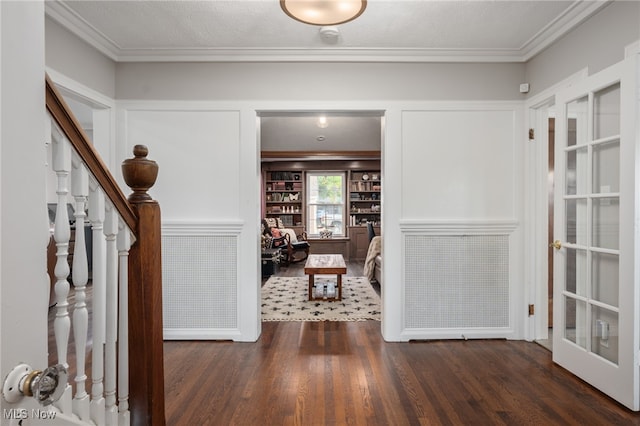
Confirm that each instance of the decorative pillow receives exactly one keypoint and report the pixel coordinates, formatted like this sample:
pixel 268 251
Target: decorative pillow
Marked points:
pixel 293 238
pixel 271 222
pixel 275 233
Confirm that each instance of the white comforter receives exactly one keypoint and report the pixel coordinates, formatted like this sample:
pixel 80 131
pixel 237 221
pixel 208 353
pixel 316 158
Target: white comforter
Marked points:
pixel 375 247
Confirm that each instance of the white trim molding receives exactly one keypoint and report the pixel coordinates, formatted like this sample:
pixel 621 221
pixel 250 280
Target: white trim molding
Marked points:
pixel 535 197
pixel 184 228
pixel 202 334
pixel 632 49
pixel 459 333
pixel 459 227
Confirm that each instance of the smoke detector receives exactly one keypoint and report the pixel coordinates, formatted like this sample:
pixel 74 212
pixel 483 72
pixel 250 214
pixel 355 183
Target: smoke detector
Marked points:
pixel 329 34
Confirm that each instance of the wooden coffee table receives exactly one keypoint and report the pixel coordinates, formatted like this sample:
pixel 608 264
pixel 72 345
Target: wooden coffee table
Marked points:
pixel 325 264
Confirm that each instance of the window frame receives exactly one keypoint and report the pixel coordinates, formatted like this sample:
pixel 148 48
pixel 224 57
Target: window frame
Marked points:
pixel 342 204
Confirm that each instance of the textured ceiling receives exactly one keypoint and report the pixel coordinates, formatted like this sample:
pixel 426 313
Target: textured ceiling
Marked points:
pixel 300 132
pixel 258 30
pixel 399 30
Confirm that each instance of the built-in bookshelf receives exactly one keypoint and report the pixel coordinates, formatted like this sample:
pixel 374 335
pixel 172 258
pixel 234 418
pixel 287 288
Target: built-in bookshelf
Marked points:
pixel 284 196
pixel 364 197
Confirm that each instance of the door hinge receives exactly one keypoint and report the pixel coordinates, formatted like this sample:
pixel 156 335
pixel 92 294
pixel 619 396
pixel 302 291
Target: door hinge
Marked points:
pixel 531 310
pixel 531 134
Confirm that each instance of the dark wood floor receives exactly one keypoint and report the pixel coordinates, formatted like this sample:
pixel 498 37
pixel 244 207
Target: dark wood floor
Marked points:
pixel 344 373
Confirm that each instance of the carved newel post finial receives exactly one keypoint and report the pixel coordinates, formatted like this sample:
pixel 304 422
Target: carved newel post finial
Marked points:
pixel 140 174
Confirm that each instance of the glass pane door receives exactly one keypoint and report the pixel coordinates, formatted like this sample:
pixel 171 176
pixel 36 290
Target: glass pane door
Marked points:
pixel 595 309
pixel 592 181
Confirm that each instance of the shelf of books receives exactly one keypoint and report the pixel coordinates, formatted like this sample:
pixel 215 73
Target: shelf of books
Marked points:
pixel 364 198
pixel 284 196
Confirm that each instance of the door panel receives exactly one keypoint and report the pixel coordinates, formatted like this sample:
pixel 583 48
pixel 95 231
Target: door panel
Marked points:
pixel 596 285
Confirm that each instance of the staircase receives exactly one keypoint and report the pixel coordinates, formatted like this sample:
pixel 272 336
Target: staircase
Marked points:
pixel 126 385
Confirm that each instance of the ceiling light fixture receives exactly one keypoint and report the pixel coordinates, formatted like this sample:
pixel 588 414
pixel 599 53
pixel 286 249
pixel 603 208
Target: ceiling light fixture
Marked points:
pixel 323 12
pixel 322 122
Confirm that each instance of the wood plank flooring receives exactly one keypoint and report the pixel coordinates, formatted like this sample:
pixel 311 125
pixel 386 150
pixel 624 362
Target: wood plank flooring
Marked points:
pixel 344 373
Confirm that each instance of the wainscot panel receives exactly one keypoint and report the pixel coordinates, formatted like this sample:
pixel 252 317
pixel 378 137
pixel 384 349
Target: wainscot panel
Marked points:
pixel 200 280
pixel 456 279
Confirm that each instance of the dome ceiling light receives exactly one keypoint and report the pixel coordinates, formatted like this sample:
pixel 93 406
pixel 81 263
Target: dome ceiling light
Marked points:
pixel 323 12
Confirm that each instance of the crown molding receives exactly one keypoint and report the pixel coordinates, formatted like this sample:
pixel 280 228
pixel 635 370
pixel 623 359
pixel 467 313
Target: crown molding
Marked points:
pixel 572 17
pixel 66 17
pixel 319 55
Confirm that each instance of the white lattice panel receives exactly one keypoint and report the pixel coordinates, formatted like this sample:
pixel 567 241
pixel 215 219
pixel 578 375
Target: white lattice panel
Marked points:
pixel 199 281
pixel 456 281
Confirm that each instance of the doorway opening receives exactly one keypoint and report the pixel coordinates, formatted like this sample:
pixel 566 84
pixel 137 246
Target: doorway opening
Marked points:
pixel 321 179
pixel 548 342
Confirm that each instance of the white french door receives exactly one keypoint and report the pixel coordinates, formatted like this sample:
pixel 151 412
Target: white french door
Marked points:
pixel 596 321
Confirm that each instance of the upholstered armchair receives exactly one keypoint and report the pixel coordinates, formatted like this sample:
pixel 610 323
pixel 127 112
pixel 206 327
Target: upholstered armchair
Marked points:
pixel 295 248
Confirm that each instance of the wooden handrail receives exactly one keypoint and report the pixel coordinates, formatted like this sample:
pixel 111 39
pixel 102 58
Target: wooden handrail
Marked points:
pixel 59 109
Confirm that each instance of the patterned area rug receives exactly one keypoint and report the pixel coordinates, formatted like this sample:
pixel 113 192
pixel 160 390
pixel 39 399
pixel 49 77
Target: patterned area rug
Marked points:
pixel 286 299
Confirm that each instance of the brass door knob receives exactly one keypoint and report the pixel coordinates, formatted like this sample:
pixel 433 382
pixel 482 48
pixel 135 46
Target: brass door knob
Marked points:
pixel 556 245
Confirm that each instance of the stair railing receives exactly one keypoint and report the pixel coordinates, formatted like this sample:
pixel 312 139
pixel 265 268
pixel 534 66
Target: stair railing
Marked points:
pixel 126 383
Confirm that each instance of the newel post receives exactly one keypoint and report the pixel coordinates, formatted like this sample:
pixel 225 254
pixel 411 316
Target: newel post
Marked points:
pixel 146 369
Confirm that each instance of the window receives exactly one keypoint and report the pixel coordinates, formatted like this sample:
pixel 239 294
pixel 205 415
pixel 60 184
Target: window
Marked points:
pixel 325 202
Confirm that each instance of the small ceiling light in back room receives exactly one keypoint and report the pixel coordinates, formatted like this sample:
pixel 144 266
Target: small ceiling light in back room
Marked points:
pixel 322 122
pixel 323 12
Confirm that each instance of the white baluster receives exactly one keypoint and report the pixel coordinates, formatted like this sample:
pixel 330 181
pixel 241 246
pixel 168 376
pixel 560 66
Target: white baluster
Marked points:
pixel 80 276
pixel 62 232
pixel 124 243
pixel 47 144
pixel 98 278
pixel 110 231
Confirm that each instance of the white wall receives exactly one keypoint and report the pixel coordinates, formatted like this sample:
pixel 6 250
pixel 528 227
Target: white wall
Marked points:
pixel 207 188
pixel 24 289
pixel 77 60
pixel 182 138
pixel 318 81
pixel 456 161
pixel 434 157
pixel 459 190
pixel 459 172
pixel 198 152
pixel 87 77
pixel 596 44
